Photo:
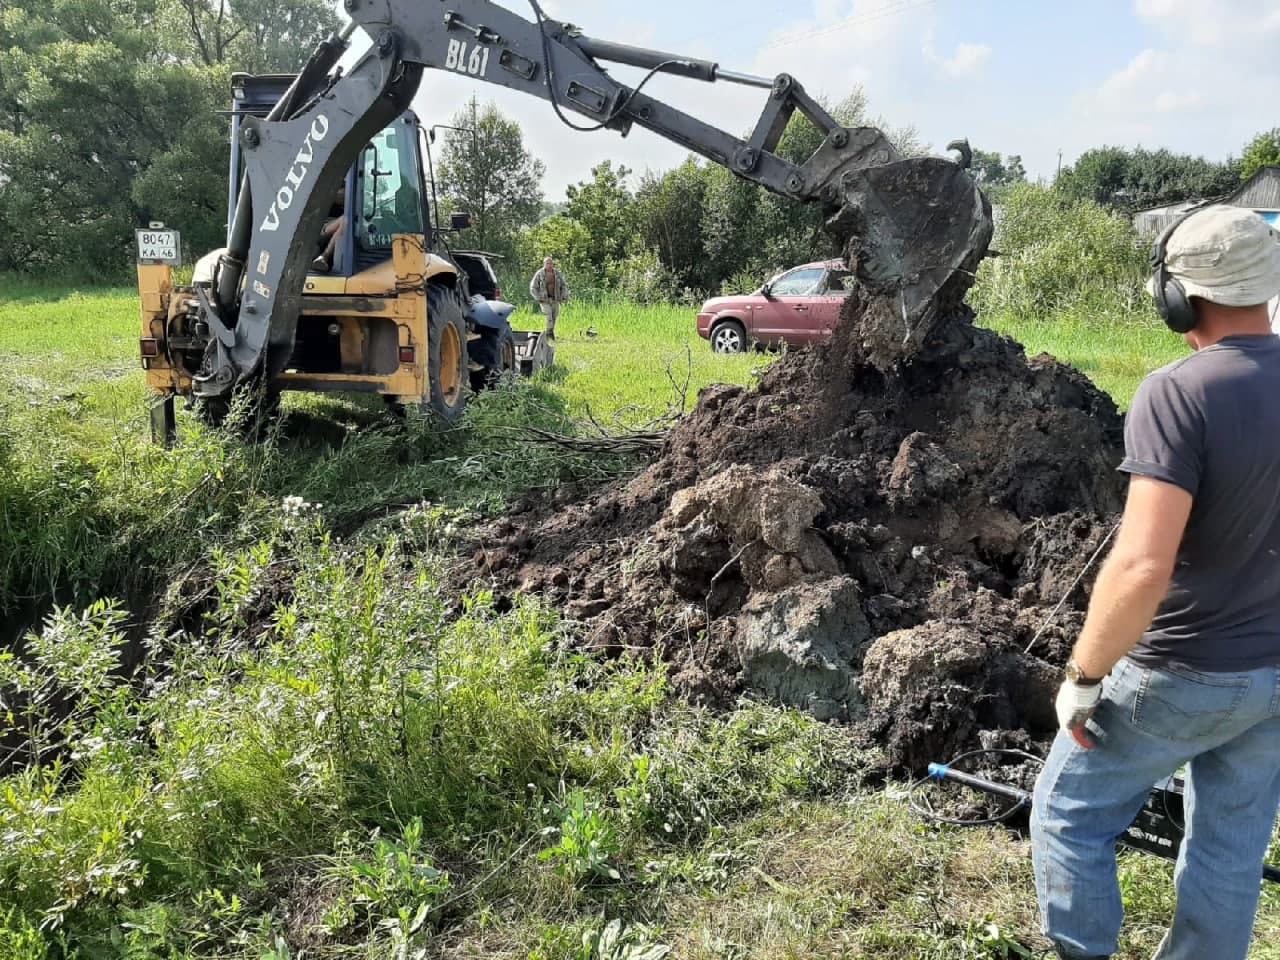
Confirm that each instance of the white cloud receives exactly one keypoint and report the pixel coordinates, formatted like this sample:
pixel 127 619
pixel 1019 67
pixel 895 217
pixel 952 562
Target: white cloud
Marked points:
pixel 872 44
pixel 852 24
pixel 968 60
pixel 1204 87
pixel 1132 107
pixel 1178 102
pixel 827 11
pixel 1183 81
pixel 1136 86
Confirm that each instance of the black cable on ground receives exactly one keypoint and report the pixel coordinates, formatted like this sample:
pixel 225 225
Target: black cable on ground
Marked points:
pixel 541 19
pixel 928 813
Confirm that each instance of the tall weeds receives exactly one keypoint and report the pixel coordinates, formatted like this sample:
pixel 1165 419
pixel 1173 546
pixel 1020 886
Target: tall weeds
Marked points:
pixel 362 738
pixel 1060 258
pixel 119 516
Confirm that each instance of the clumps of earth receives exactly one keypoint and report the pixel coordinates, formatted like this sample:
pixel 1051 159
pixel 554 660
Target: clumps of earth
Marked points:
pixel 873 541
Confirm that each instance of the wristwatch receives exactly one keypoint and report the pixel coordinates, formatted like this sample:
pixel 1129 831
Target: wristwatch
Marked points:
pixel 1076 675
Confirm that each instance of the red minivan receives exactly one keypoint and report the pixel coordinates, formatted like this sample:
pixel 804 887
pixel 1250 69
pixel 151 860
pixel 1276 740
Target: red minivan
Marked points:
pixel 797 307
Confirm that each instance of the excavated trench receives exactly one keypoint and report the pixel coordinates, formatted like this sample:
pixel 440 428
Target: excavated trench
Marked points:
pixel 874 534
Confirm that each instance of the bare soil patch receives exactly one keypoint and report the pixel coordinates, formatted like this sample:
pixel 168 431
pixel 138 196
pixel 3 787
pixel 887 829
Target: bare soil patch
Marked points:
pixel 874 534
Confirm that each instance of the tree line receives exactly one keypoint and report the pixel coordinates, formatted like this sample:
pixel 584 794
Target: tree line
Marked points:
pixel 697 229
pixel 665 236
pixel 113 114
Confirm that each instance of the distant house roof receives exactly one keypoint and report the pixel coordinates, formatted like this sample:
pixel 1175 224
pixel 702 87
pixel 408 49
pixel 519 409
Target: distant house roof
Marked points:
pixel 1169 207
pixel 1259 192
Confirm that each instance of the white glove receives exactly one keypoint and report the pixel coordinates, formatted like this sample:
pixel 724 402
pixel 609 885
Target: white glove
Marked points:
pixel 1075 705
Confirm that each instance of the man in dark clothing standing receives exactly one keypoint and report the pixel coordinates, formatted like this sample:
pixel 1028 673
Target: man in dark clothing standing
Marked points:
pixel 1179 659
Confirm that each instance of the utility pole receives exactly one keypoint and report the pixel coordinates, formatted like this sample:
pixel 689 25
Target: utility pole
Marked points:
pixel 1059 173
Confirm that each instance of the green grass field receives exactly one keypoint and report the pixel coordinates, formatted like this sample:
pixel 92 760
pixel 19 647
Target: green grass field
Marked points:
pixel 340 760
pixel 636 365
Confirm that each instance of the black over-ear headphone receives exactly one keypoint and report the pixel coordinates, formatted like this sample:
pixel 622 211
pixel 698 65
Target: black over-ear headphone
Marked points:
pixel 1171 296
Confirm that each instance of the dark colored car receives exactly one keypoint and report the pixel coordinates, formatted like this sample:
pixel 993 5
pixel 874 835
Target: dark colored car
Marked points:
pixel 797 307
pixel 481 277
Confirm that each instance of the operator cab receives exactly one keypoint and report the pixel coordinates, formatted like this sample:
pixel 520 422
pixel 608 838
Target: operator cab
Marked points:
pixel 384 196
pixel 386 183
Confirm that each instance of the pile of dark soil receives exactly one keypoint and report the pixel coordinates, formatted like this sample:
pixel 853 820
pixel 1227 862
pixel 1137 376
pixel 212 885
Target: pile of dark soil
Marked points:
pixel 873 540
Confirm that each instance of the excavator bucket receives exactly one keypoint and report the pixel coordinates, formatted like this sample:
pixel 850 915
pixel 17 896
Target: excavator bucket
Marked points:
pixel 914 232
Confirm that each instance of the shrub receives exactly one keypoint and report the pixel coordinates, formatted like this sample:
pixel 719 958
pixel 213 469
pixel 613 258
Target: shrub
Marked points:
pixel 326 693
pixel 1059 256
pixel 641 278
pixel 744 282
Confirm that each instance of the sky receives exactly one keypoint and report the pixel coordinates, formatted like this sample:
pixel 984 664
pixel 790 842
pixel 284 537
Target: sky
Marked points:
pixel 1040 78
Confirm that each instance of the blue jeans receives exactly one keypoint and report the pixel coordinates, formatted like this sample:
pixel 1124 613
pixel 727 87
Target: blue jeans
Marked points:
pixel 1150 723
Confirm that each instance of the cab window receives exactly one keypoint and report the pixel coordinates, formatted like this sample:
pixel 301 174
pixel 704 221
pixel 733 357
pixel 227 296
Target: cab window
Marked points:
pixel 390 202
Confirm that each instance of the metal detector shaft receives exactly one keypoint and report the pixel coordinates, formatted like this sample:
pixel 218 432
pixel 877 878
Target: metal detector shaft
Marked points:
pixel 940 771
pixel 1151 819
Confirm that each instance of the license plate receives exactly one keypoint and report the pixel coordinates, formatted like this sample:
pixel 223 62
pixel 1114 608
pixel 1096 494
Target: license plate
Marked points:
pixel 159 246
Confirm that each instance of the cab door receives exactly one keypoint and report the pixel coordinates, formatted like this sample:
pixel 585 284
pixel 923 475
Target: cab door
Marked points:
pixel 389 185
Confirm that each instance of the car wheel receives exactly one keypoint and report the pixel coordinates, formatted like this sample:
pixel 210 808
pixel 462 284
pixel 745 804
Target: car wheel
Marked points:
pixel 729 336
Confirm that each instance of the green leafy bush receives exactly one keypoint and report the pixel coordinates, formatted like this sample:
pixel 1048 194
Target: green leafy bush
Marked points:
pixel 642 278
pixel 321 692
pixel 587 840
pixel 1062 257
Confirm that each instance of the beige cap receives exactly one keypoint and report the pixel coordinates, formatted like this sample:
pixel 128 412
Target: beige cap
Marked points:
pixel 1225 255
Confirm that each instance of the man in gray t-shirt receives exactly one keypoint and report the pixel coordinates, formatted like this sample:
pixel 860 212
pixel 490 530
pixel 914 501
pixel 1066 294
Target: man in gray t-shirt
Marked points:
pixel 1210 425
pixel 1178 663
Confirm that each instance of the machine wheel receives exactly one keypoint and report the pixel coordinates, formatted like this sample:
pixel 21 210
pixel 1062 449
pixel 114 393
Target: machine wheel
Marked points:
pixel 264 408
pixel 446 354
pixel 510 364
pixel 211 411
pixel 729 336
pixel 496 351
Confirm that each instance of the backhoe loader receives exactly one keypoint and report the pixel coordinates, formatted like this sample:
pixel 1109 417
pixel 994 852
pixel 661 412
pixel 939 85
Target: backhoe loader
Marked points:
pixel 394 316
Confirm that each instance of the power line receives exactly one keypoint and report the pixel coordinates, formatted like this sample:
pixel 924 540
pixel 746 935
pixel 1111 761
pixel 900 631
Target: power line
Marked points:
pixel 857 20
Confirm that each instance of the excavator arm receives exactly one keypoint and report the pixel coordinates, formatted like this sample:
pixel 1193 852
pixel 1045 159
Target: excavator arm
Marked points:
pixel 909 225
